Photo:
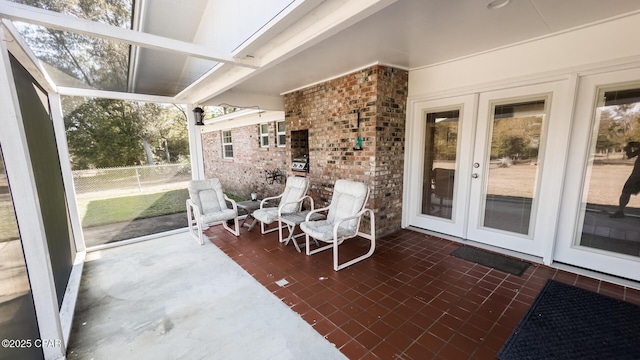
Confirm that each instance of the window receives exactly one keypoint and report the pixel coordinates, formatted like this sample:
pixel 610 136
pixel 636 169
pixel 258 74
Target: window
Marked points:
pixel 281 134
pixel 227 145
pixel 264 135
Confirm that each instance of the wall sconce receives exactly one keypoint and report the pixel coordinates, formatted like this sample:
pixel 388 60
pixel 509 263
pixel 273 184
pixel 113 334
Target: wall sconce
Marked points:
pixel 358 146
pixel 198 114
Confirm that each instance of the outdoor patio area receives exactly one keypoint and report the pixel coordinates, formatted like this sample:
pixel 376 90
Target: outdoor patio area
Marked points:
pixel 410 300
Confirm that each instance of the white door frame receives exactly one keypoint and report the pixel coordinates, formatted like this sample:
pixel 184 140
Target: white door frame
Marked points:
pixel 570 219
pixel 557 135
pixel 416 128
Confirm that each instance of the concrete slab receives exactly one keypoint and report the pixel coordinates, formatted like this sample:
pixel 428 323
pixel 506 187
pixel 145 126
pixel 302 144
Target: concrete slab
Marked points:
pixel 171 298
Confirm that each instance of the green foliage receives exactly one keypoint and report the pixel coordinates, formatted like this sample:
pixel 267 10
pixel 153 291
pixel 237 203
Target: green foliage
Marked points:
pixel 618 125
pixel 104 133
pixel 112 133
pixel 516 137
pixel 95 62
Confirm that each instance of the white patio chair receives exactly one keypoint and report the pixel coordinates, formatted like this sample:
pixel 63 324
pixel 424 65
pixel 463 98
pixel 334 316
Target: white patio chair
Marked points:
pixel 207 205
pixel 290 202
pixel 343 221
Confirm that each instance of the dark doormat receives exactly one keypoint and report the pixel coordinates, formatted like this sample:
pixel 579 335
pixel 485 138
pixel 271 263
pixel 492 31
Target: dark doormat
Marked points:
pixel 566 322
pixel 496 261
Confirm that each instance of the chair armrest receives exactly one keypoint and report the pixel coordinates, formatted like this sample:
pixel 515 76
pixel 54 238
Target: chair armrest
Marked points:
pixel 265 200
pixel 294 202
pixel 349 218
pixel 233 203
pixel 316 211
pixel 194 207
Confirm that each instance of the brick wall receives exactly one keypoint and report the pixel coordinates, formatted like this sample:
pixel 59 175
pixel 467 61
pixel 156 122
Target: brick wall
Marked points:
pixel 329 112
pixel 245 173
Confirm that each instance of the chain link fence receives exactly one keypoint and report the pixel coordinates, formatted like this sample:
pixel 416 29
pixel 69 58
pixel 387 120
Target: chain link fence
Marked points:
pixel 132 179
pixel 127 202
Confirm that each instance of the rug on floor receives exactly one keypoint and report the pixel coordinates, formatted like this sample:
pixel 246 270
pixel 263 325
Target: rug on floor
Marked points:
pixel 567 322
pixel 492 260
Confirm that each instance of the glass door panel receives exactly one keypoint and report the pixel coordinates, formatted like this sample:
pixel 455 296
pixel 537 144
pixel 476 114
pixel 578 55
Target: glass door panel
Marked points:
pixel 511 170
pixel 512 165
pixel 441 134
pixel 594 230
pixel 440 163
pixel 610 209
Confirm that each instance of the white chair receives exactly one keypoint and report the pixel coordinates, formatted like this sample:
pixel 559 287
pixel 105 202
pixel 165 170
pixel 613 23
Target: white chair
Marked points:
pixel 343 221
pixel 207 205
pixel 290 202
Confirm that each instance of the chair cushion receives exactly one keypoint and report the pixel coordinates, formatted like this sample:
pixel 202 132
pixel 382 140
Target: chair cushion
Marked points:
pixel 266 215
pixel 348 199
pixel 295 188
pixel 226 214
pixel 208 196
pixel 323 230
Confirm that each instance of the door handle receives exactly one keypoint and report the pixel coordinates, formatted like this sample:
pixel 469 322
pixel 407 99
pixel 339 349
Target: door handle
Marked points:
pixel 474 175
pixel 476 165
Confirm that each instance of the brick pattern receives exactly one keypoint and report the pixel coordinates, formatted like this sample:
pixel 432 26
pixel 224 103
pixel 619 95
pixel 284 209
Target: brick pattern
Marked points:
pixel 245 173
pixel 329 112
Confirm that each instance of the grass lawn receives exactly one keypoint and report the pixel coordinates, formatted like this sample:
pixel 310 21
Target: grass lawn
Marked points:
pixel 126 208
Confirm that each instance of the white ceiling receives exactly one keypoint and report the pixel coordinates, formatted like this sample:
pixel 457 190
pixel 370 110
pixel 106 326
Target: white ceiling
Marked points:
pixel 295 43
pixel 411 34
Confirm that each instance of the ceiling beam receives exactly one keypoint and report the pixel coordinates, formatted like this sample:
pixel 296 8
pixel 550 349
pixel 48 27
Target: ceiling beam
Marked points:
pixel 71 91
pixel 58 21
pixel 278 42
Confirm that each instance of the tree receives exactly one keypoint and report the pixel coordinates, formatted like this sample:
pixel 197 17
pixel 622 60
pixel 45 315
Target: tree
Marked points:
pixel 102 133
pixel 96 62
pixel 109 133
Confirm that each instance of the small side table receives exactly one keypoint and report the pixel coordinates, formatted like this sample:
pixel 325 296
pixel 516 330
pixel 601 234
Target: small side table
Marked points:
pixel 293 220
pixel 249 207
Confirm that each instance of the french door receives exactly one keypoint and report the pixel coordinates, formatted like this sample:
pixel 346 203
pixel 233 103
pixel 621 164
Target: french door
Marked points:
pixel 483 163
pixel 599 225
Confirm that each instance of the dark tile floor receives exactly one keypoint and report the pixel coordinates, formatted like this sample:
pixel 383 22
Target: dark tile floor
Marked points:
pixel 410 300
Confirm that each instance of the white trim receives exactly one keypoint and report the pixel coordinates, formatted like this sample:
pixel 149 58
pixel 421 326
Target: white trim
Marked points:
pixel 264 136
pixel 279 133
pixel 58 21
pixel 137 239
pixel 71 91
pixel 251 119
pixel 570 220
pixel 68 307
pixel 21 50
pixel 233 115
pixel 65 166
pixel 222 140
pixel 27 209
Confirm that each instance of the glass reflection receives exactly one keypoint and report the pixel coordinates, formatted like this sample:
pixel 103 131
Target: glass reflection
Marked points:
pixel 513 165
pixel 440 163
pixel 611 209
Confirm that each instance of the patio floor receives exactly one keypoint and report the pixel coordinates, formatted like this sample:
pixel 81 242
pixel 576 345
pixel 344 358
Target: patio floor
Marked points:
pixel 410 300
